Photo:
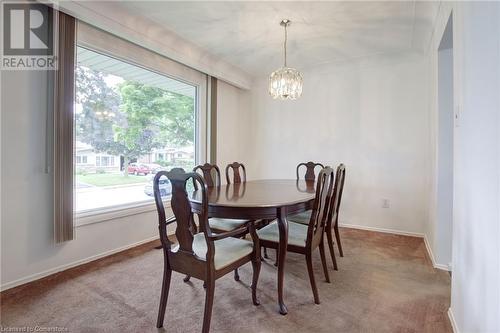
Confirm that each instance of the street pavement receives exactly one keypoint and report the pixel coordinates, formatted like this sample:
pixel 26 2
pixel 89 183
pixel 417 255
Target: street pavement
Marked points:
pixel 99 197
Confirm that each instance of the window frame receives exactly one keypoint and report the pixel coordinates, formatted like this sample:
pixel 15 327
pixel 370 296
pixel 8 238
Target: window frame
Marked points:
pixel 109 45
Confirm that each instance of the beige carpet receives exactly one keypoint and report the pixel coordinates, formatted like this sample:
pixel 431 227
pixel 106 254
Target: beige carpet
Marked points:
pixel 385 283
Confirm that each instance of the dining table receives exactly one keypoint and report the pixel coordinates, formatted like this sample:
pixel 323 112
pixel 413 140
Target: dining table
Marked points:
pixel 269 199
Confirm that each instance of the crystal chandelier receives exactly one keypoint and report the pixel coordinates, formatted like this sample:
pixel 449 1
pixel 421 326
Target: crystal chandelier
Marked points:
pixel 286 82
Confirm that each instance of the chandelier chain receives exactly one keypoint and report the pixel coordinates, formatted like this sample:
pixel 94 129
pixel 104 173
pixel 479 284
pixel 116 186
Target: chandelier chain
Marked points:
pixel 284 44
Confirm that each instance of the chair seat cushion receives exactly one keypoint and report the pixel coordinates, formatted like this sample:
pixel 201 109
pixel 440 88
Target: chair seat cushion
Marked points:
pixel 302 218
pixel 225 224
pixel 297 233
pixel 227 250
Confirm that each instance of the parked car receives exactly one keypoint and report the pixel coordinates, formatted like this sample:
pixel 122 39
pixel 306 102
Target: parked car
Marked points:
pixel 138 168
pixel 165 187
pixel 153 167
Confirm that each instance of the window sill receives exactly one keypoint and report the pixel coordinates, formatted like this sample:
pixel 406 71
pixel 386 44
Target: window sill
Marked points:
pixel 112 213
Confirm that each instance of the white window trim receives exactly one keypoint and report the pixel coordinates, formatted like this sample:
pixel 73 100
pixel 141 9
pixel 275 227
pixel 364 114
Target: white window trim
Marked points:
pixel 105 43
pixel 115 212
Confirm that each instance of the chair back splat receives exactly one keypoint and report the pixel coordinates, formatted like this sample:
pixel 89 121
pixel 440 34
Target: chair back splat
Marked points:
pixel 310 175
pixel 322 206
pixel 237 176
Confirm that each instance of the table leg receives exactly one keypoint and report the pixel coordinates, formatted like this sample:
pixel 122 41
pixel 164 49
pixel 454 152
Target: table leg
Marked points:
pixel 283 234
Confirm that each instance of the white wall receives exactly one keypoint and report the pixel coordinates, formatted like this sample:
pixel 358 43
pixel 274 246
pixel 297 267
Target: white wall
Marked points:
pixel 233 112
pixel 444 227
pixel 475 302
pixel 370 115
pixel 476 252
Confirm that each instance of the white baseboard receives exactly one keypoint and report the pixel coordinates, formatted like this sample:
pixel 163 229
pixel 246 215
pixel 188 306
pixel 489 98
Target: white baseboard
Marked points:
pixel 431 255
pixel 387 231
pixel 452 321
pixel 404 233
pixel 54 270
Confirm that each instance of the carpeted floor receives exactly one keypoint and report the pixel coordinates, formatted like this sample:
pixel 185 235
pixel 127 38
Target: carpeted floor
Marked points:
pixel 385 283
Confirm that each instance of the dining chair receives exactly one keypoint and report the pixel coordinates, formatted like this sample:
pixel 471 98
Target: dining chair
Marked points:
pixel 310 174
pixel 309 177
pixel 304 239
pixel 204 255
pixel 333 218
pixel 237 176
pixel 241 178
pixel 212 177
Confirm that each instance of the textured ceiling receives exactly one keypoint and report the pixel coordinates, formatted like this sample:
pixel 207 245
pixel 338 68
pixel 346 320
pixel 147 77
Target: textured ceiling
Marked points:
pixel 248 35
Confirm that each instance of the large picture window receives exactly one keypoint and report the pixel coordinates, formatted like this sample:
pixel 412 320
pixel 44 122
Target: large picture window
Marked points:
pixel 130 122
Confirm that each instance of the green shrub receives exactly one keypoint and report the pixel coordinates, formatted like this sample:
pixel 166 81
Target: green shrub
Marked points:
pixel 82 171
pixel 164 163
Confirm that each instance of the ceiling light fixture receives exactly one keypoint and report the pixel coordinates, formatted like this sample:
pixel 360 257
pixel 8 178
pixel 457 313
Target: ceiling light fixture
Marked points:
pixel 286 82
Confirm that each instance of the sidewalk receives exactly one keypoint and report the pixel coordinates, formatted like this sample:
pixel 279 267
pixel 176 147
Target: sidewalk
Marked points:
pixel 100 197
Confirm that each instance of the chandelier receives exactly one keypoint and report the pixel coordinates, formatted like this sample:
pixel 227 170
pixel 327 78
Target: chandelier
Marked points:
pixel 286 82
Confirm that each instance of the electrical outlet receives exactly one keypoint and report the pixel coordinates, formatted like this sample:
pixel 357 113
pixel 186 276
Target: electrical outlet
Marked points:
pixel 386 203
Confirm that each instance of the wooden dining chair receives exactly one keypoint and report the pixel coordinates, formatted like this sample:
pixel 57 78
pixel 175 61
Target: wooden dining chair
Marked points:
pixel 309 176
pixel 310 173
pixel 210 174
pixel 304 239
pixel 212 178
pixel 241 178
pixel 205 255
pixel 237 176
pixel 333 218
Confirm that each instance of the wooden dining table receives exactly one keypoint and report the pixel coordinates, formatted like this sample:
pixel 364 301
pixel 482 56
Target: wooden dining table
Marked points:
pixel 261 200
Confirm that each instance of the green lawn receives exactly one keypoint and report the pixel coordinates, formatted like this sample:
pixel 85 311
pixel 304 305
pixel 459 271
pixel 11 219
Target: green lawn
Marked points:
pixel 110 179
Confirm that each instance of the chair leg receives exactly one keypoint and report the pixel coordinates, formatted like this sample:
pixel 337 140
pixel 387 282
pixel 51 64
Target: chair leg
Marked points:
pixel 236 275
pixel 329 238
pixel 255 278
pixel 167 275
pixel 311 277
pixel 265 253
pixel 209 302
pixel 186 278
pixel 323 260
pixel 337 236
